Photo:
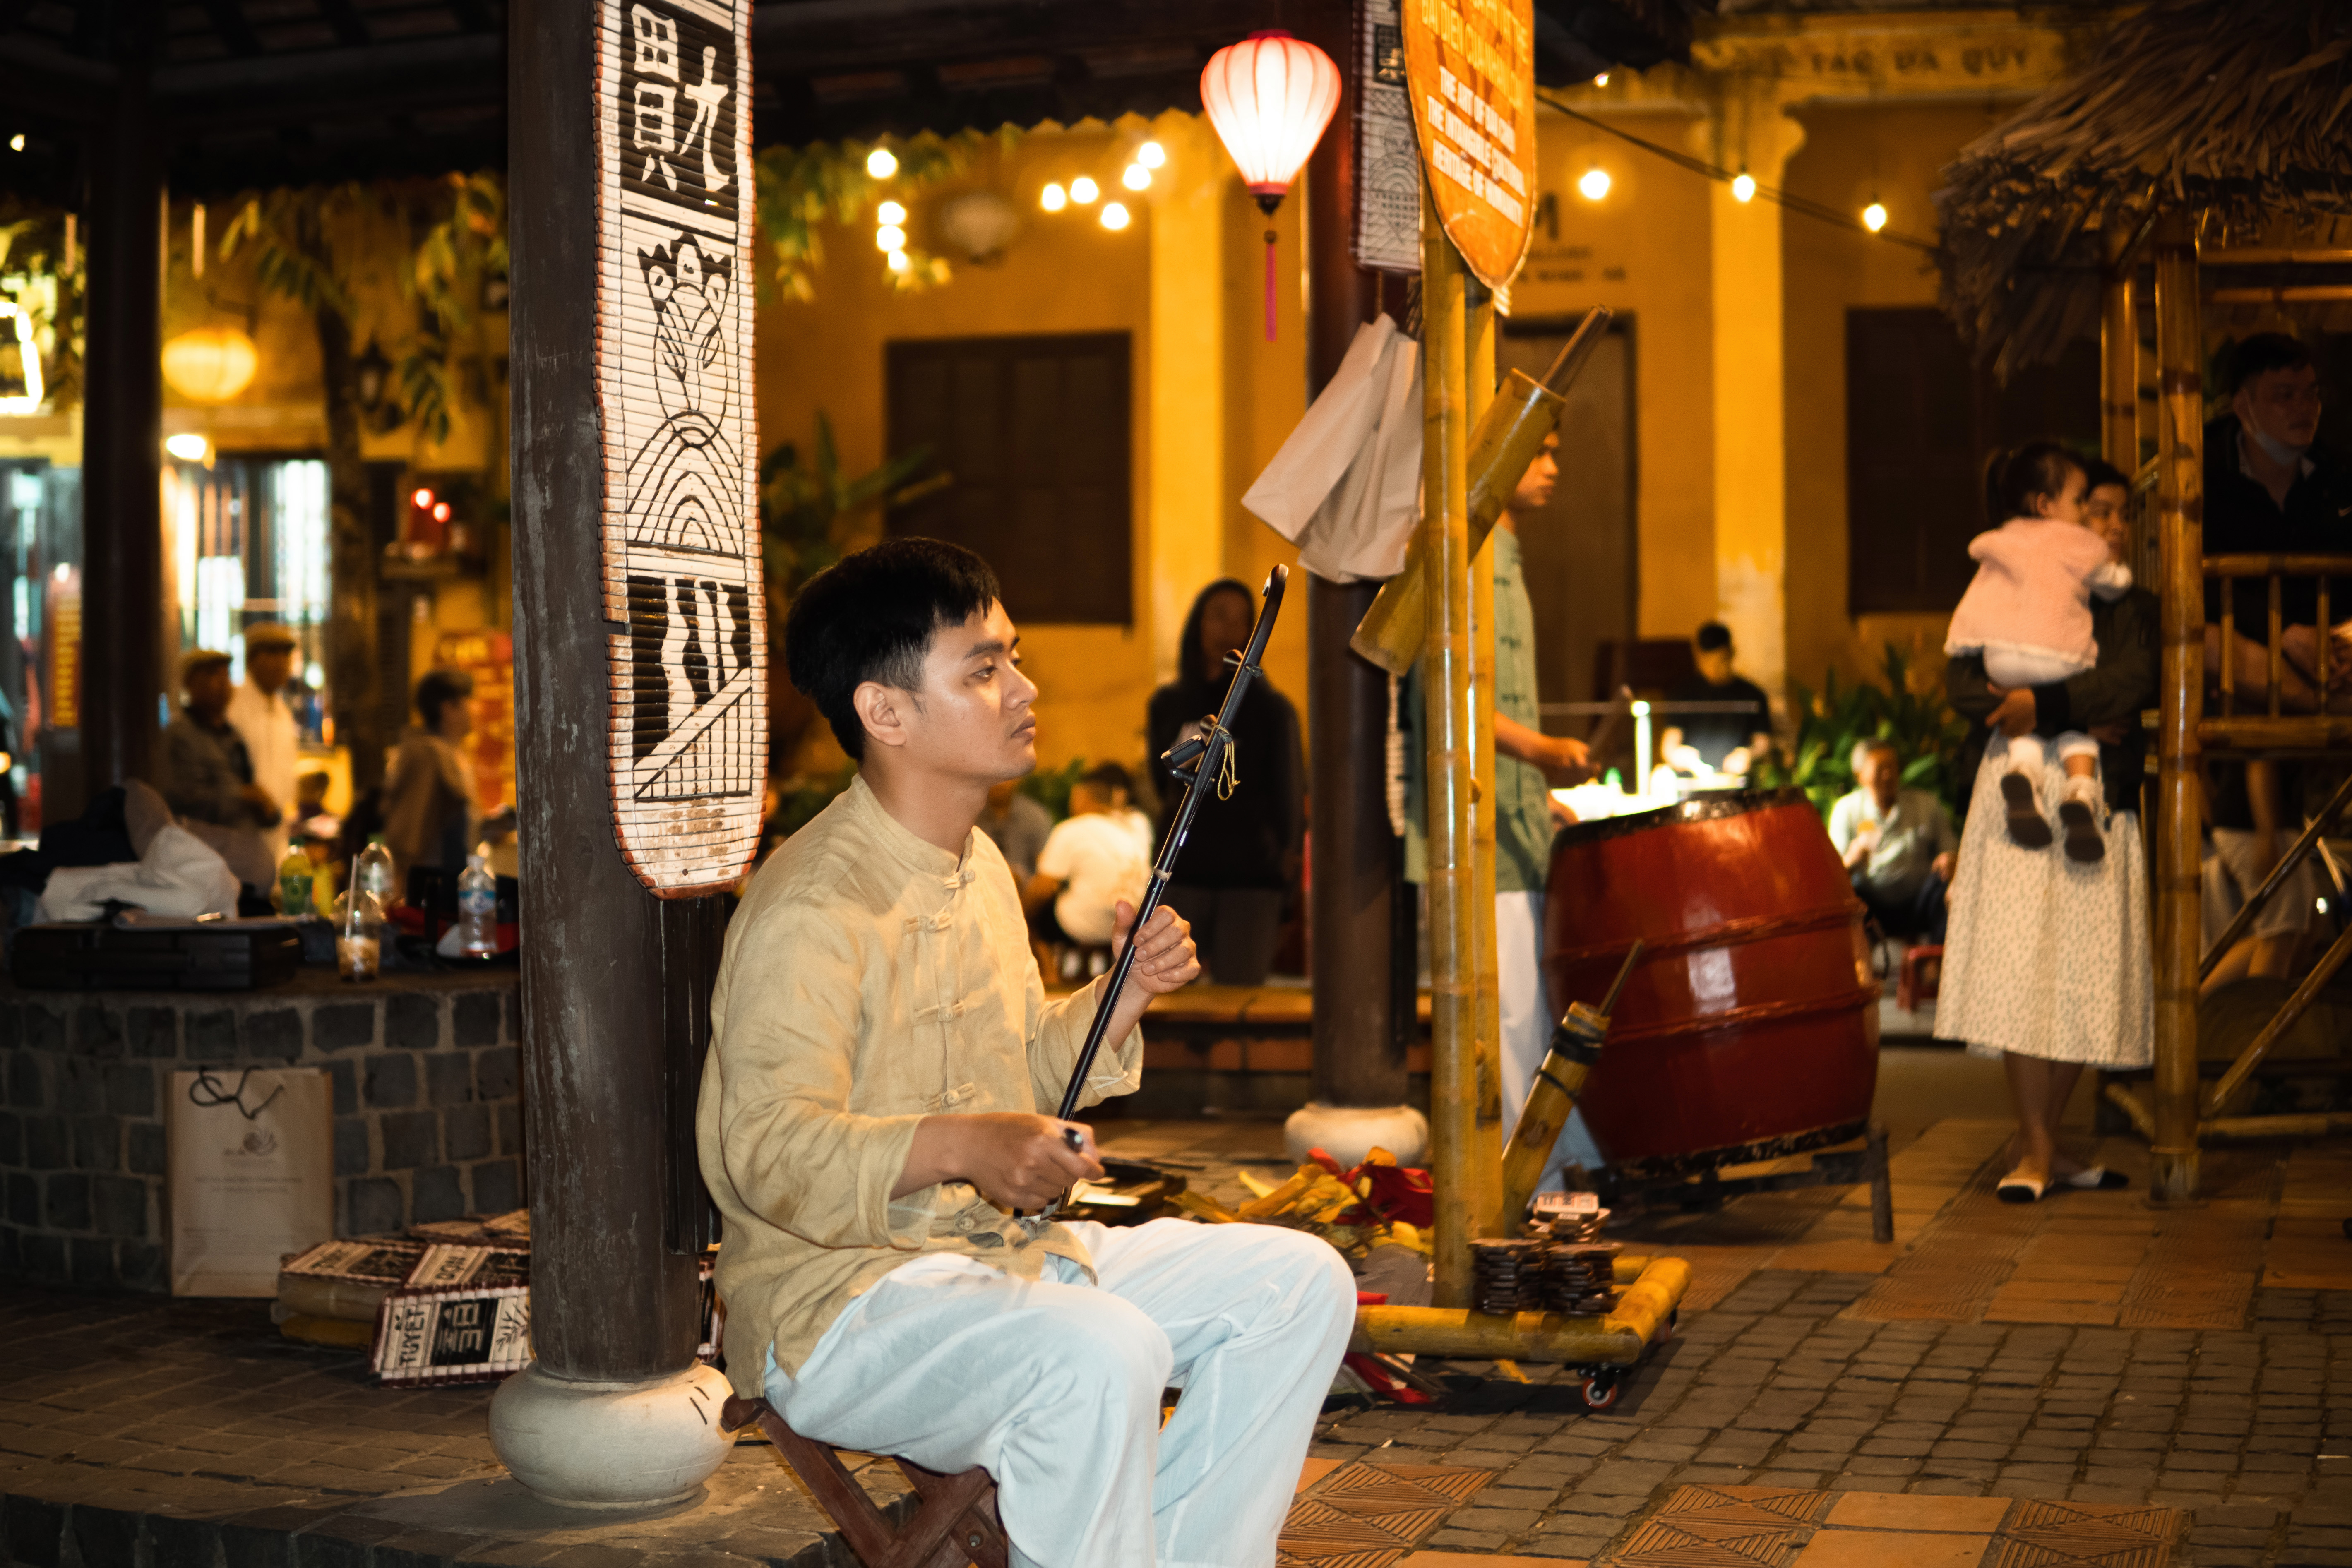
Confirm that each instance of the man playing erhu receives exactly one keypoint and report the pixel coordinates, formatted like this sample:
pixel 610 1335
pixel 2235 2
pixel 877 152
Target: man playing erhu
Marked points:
pixel 871 1121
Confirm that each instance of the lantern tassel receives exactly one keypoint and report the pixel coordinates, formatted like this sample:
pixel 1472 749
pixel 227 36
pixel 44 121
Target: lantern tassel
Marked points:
pixel 1269 285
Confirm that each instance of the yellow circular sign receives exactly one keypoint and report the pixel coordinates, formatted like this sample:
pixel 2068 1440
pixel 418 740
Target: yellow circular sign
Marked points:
pixel 1470 69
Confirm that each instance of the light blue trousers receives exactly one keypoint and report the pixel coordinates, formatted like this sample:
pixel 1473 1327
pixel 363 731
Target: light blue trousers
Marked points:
pixel 1052 1386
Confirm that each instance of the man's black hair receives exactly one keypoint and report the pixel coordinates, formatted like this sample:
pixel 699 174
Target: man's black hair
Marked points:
pixel 1713 636
pixel 438 690
pixel 2265 352
pixel 871 616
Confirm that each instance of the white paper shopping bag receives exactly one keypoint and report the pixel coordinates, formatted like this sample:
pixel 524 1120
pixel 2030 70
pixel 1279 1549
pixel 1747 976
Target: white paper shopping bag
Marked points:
pixel 251 1164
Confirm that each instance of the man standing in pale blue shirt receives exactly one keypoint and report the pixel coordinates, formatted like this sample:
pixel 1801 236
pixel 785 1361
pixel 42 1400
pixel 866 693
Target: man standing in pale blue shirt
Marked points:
pixel 1896 842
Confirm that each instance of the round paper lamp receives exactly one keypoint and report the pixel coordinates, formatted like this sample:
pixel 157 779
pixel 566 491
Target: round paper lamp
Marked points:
pixel 211 365
pixel 1270 95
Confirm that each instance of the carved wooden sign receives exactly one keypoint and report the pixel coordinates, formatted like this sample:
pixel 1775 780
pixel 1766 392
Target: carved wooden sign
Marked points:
pixel 1470 67
pixel 690 700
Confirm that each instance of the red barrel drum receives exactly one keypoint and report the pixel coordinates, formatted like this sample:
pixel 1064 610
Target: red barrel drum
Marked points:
pixel 1749 1029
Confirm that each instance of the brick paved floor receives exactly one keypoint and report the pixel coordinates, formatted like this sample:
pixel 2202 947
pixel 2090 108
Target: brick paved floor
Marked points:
pixel 156 1434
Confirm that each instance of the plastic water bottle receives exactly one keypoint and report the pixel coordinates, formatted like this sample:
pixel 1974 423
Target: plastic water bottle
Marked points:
pixel 477 909
pixel 294 891
pixel 371 873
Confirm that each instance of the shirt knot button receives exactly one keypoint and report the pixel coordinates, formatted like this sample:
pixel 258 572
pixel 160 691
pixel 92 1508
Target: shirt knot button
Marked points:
pixel 963 1223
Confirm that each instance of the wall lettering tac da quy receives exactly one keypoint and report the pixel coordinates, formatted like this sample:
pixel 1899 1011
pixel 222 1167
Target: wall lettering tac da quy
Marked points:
pixel 1470 67
pixel 681 543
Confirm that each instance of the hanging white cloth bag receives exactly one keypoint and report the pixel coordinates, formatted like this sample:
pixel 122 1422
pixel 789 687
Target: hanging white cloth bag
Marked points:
pixel 1344 486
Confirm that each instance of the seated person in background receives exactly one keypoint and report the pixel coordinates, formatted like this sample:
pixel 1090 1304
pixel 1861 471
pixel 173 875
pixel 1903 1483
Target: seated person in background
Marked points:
pixel 1897 844
pixel 1018 824
pixel 2245 803
pixel 1730 742
pixel 206 774
pixel 2272 488
pixel 1096 858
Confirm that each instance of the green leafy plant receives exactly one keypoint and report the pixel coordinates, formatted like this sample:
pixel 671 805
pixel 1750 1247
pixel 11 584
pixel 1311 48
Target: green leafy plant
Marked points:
pixel 810 513
pixel 459 262
pixel 1833 721
pixel 797 189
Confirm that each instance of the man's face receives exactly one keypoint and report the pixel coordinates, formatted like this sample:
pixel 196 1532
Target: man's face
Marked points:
pixel 208 690
pixel 270 667
pixel 1224 628
pixel 1535 487
pixel 1715 664
pixel 1880 774
pixel 2283 405
pixel 972 718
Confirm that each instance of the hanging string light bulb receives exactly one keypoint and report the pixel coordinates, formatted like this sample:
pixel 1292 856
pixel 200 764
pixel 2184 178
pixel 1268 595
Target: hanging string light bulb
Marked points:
pixel 1270 97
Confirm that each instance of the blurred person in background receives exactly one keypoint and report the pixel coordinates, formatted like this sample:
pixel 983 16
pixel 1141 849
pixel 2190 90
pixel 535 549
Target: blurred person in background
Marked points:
pixel 264 721
pixel 1898 844
pixel 1729 742
pixel 1019 825
pixel 206 774
pixel 428 793
pixel 1242 857
pixel 1098 855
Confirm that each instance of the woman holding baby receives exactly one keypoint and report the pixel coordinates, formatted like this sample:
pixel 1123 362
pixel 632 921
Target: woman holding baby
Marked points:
pixel 2047 964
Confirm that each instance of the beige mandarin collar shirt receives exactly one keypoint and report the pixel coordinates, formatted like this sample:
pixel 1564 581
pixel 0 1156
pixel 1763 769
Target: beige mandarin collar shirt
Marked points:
pixel 871 979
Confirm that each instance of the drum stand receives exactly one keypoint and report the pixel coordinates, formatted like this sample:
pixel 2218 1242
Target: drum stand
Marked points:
pixel 1845 1164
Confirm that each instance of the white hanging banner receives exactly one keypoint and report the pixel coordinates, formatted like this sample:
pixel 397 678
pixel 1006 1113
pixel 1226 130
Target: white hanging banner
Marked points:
pixel 689 699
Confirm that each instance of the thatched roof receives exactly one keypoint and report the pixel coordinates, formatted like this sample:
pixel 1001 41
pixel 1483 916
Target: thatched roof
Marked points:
pixel 2241 111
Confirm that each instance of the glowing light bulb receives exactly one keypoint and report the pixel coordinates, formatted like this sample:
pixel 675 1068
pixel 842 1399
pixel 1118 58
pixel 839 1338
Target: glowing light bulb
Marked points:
pixel 1594 184
pixel 187 446
pixel 899 262
pixel 889 237
pixel 1743 186
pixel 890 212
pixel 1873 216
pixel 1137 177
pixel 1601 80
pixel 1151 154
pixel 17 143
pixel 881 163
pixel 441 512
pixel 1114 214
pixel 1084 190
pixel 1053 198
pixel 422 501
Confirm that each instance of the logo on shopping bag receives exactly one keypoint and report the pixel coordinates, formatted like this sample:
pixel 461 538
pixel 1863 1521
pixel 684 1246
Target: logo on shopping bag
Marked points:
pixel 259 1142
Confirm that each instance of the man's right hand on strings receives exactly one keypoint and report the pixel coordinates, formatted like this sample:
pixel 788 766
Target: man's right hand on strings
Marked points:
pixel 1018 1161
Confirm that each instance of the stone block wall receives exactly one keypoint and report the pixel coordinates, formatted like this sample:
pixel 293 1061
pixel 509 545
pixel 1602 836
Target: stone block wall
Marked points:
pixel 425 1072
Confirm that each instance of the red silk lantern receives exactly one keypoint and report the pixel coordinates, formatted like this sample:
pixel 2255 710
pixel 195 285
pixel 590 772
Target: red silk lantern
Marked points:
pixel 1270 98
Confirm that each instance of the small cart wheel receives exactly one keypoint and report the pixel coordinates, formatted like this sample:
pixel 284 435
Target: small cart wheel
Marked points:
pixel 1599 1390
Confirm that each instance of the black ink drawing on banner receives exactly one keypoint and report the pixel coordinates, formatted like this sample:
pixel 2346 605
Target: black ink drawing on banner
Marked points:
pixel 689 699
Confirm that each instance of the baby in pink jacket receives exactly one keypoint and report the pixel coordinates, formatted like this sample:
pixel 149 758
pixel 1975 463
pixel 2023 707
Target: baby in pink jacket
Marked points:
pixel 2028 613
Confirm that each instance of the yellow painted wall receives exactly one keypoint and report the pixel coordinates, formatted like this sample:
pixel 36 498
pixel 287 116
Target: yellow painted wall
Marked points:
pixel 1852 152
pixel 1212 399
pixel 1642 250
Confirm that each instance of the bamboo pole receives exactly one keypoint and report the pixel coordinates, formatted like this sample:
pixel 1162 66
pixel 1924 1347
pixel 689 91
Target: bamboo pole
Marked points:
pixel 1483 1171
pixel 2118 361
pixel 2180 439
pixel 1444 547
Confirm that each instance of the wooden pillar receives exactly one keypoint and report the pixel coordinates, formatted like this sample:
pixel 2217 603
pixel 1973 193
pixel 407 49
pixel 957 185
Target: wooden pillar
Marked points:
pixel 2118 361
pixel 1444 546
pixel 610 1301
pixel 1482 1171
pixel 1359 1046
pixel 2180 523
pixel 122 438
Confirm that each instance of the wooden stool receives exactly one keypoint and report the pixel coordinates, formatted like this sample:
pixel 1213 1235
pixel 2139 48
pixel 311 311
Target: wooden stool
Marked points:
pixel 1922 975
pixel 955 1525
